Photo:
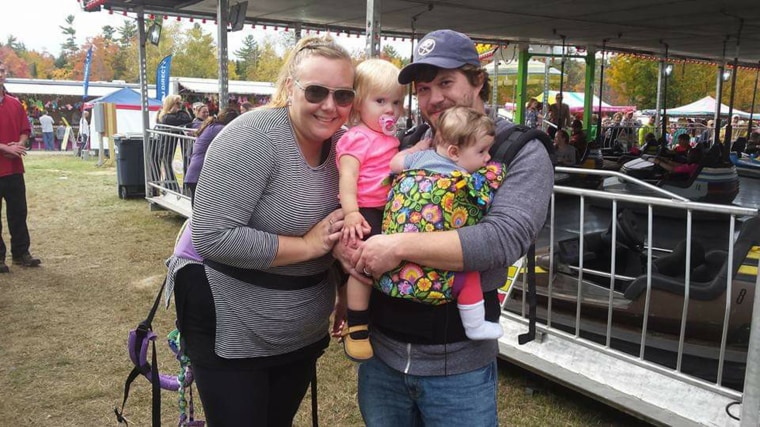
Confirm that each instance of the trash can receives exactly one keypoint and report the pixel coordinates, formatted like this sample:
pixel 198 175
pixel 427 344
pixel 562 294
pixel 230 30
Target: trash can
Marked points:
pixel 130 165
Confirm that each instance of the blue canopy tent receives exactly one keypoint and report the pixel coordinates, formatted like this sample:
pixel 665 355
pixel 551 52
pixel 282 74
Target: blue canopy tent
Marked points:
pixel 128 106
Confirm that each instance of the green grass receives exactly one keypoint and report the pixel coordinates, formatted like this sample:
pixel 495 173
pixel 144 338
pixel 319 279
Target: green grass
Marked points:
pixel 65 324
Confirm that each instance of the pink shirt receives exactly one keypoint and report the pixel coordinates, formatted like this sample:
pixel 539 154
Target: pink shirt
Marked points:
pixel 374 152
pixel 688 168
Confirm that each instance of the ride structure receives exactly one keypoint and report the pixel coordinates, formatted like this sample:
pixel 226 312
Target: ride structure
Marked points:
pixel 688 267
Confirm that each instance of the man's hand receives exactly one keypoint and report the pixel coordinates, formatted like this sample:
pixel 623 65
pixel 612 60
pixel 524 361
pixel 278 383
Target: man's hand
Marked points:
pixel 345 253
pixel 377 255
pixel 13 150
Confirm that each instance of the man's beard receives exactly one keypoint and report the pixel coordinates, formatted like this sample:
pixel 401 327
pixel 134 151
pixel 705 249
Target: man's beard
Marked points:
pixel 466 101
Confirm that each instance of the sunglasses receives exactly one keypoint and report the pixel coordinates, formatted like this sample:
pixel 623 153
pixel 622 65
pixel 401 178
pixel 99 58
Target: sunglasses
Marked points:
pixel 316 94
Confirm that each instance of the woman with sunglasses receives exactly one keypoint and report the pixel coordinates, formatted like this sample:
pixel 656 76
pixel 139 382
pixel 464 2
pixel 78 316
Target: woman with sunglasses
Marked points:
pixel 254 315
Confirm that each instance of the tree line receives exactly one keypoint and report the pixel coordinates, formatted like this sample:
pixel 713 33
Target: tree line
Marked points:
pixel 628 80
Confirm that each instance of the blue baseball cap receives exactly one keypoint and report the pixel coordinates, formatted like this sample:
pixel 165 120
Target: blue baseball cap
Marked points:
pixel 441 48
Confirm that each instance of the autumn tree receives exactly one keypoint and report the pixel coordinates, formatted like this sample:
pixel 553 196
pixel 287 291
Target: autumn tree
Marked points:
pixel 248 55
pixel 104 52
pixel 154 54
pixel 15 66
pixel 13 43
pixel 195 54
pixel 41 65
pixel 126 40
pixel 634 82
pixel 69 32
pixel 392 55
pixel 268 67
pixel 127 33
pixel 108 33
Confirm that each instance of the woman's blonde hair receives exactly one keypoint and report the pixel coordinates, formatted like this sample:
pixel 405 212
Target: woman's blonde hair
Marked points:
pixel 461 126
pixel 166 107
pixel 324 46
pixel 197 106
pixel 374 76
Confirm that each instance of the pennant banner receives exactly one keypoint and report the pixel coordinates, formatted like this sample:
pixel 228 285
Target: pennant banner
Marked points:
pixel 87 62
pixel 162 77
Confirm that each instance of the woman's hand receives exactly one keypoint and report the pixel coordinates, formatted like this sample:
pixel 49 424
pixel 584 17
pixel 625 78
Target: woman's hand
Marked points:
pixel 322 237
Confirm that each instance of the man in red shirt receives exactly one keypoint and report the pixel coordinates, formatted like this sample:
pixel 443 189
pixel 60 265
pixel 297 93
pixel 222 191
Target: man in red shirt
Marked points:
pixel 14 132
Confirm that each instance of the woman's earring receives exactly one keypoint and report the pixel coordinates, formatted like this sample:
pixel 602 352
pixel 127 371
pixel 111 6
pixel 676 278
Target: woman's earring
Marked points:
pixel 290 101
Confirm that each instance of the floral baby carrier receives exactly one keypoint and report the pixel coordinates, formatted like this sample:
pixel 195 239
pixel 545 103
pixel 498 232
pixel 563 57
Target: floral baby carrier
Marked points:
pixel 421 201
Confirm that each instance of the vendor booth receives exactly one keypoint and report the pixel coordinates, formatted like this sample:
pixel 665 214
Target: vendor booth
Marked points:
pixel 126 115
pixel 575 101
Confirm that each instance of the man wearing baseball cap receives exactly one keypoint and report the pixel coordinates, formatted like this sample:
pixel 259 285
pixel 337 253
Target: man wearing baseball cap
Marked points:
pixel 425 370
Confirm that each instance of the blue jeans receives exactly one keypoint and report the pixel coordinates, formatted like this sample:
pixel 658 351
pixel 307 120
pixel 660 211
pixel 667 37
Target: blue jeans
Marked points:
pixel 390 398
pixel 49 140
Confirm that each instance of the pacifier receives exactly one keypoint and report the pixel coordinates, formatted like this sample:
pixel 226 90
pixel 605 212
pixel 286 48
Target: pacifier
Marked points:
pixel 388 124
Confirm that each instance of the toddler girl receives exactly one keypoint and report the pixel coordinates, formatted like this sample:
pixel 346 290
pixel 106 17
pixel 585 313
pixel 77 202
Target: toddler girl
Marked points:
pixel 364 154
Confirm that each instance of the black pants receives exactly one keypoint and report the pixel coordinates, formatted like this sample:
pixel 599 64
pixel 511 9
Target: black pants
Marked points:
pixel 13 191
pixel 236 392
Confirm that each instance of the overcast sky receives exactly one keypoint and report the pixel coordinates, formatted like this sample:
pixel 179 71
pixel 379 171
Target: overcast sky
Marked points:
pixel 37 22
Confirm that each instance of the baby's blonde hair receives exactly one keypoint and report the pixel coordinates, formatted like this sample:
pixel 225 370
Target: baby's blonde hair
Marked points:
pixel 461 126
pixel 374 76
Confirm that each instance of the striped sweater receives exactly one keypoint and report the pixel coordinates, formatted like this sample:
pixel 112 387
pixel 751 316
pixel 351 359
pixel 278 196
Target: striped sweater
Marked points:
pixel 255 185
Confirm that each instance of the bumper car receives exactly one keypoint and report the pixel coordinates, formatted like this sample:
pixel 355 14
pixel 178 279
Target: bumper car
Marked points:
pixel 745 164
pixel 591 159
pixel 709 184
pixel 709 269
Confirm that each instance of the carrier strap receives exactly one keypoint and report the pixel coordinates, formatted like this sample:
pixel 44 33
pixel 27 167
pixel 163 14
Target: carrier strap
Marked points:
pixel 531 334
pixel 141 333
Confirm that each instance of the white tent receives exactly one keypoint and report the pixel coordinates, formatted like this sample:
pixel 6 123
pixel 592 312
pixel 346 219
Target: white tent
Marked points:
pixel 703 107
pixel 575 100
pixel 128 108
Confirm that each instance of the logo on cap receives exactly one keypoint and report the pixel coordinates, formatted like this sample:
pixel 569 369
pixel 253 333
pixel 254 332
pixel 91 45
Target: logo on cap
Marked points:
pixel 426 47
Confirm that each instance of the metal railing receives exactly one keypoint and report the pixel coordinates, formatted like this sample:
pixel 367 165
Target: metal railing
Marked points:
pixel 599 332
pixel 167 154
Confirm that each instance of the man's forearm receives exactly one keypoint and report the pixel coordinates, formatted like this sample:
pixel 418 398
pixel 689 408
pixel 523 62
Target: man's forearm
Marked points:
pixel 440 249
